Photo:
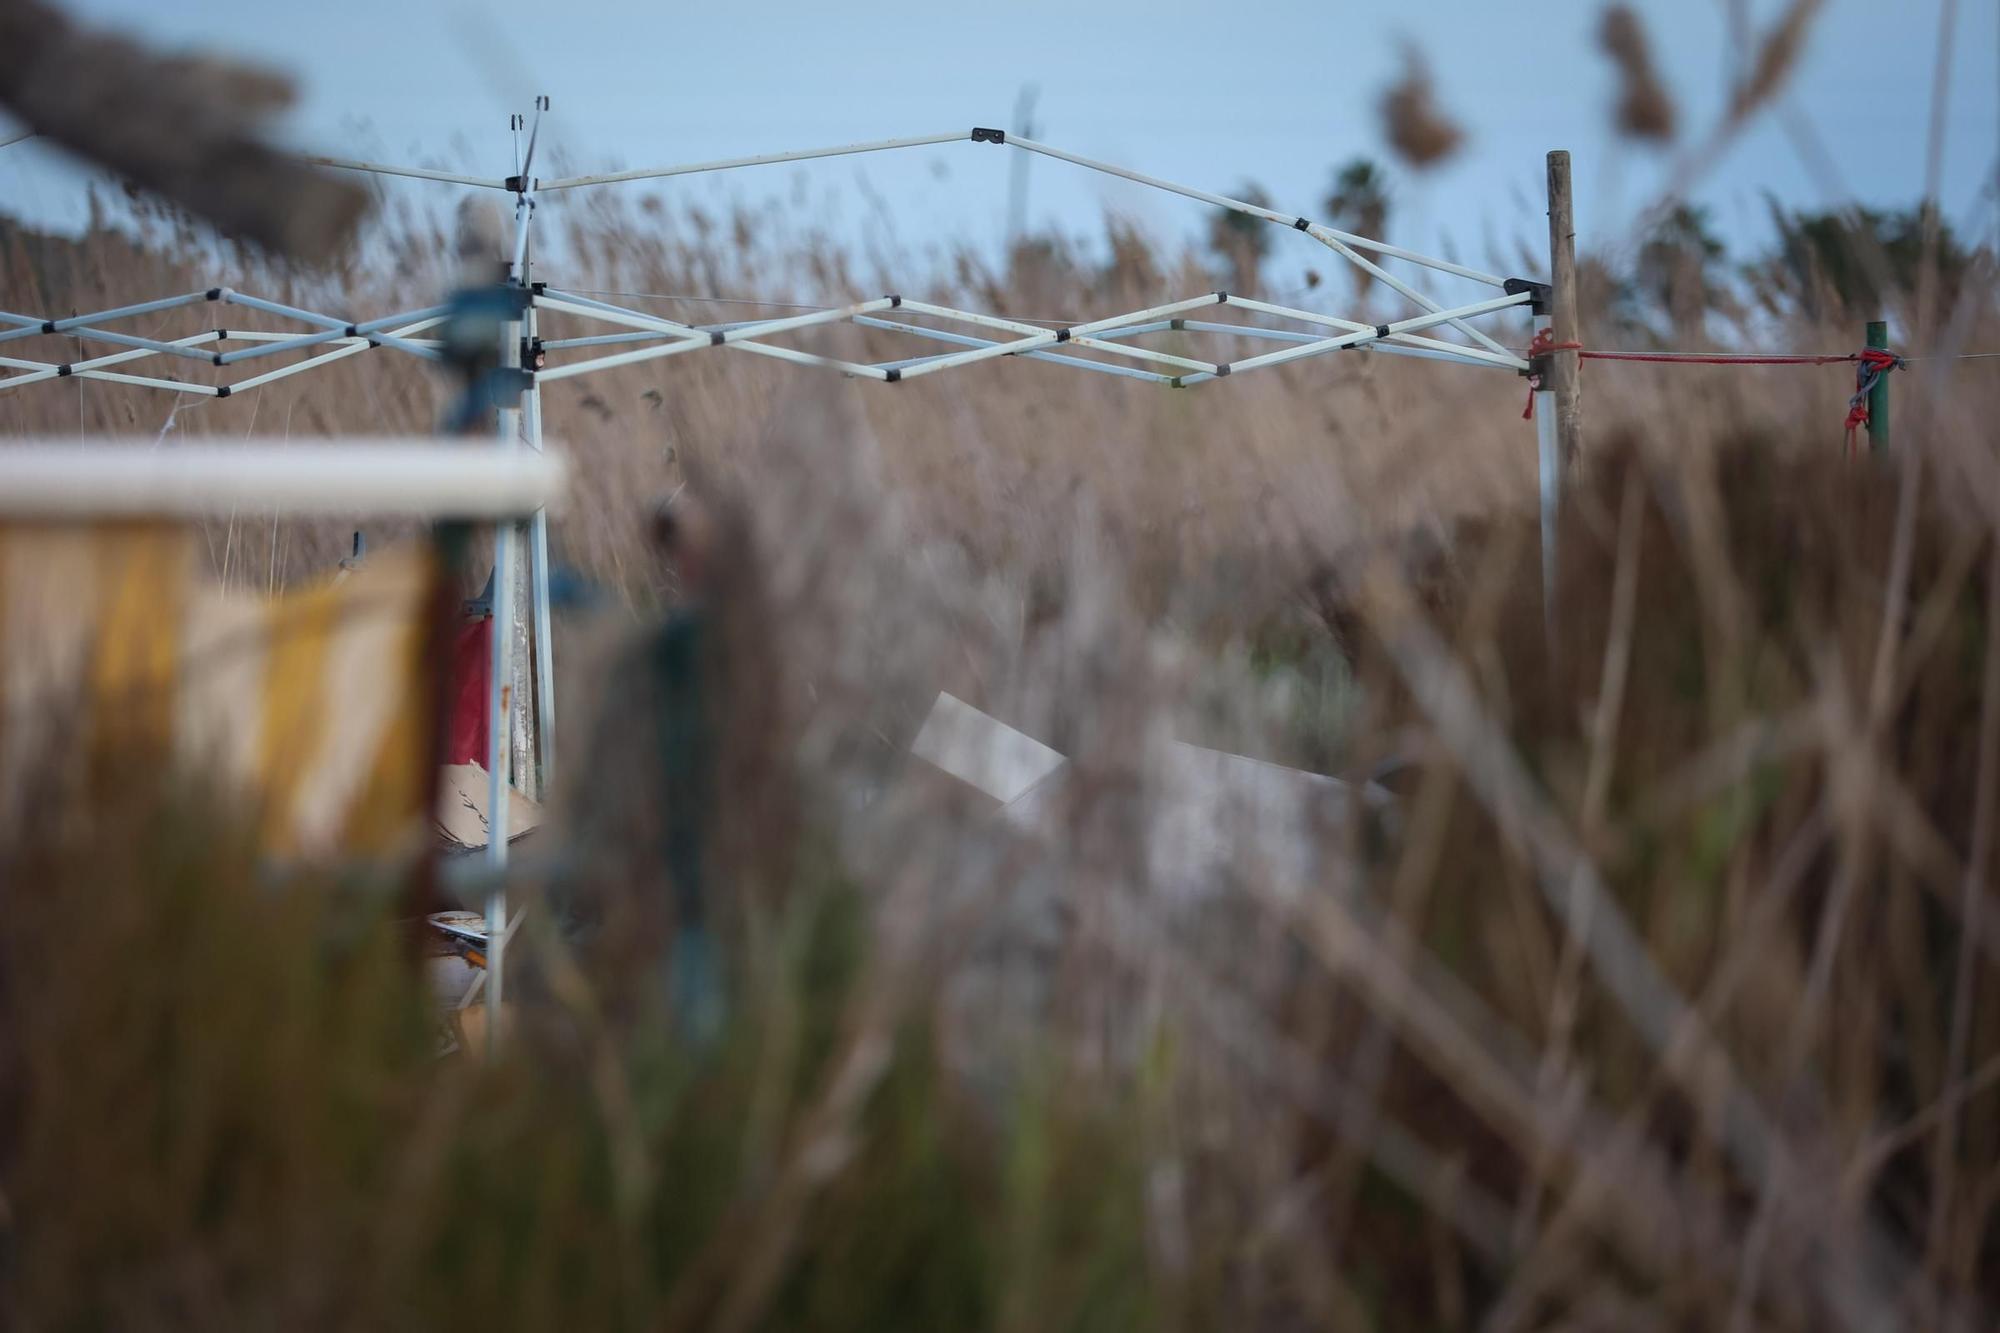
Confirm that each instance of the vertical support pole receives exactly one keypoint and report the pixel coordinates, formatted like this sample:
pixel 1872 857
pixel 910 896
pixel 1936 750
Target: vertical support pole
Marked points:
pixel 538 564
pixel 503 696
pixel 1878 397
pixel 499 714
pixel 1549 467
pixel 1562 311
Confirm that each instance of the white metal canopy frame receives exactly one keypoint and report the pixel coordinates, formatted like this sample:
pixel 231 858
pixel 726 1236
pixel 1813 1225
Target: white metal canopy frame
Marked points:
pixel 989 336
pixel 1114 343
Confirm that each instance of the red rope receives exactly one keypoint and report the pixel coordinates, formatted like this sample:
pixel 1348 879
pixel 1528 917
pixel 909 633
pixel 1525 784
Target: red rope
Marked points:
pixel 1706 358
pixel 1873 364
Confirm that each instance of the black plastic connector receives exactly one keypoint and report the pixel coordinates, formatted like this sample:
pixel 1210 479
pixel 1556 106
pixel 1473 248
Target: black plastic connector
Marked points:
pixel 1381 330
pixel 215 358
pixel 538 288
pixel 48 326
pixel 892 376
pixel 222 335
pixel 984 135
pixel 1222 298
pixel 1177 324
pixel 1538 303
pixel 1222 370
pixel 517 183
pixel 351 331
pixel 62 372
pixel 214 293
pixel 1300 224
pixel 222 391
pixel 715 337
pixel 895 301
pixel 1062 335
pixel 1175 383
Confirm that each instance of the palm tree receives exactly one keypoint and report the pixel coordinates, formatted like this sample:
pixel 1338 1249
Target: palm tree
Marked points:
pixel 1358 201
pixel 1241 241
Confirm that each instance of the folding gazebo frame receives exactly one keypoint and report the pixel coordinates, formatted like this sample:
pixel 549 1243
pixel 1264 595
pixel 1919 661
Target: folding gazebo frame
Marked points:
pixel 647 337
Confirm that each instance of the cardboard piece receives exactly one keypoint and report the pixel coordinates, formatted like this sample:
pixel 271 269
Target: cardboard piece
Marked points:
pixel 461 808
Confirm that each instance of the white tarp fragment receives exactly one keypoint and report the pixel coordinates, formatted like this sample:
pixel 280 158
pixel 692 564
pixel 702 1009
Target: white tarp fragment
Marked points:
pixel 1210 814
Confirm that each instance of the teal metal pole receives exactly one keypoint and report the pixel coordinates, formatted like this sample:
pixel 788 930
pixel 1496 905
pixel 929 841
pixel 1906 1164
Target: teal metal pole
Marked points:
pixel 1878 397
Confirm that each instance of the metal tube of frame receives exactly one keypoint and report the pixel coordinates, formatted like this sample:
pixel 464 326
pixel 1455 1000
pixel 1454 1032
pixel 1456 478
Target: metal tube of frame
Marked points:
pixel 967 340
pixel 419 350
pixel 1039 339
pixel 275 343
pixel 1153 326
pixel 620 359
pixel 741 336
pixel 524 211
pixel 119 358
pixel 45 371
pixel 1322 233
pixel 747 332
pixel 501 685
pixel 1253 210
pixel 143 308
pixel 1142 354
pixel 156 345
pixel 565 304
pixel 1097 344
pixel 419 173
pixel 1503 359
pixel 538 565
pixel 588 305
pixel 1388 346
pixel 1325 345
pixel 268 347
pixel 311 317
pixel 77 321
pixel 761 159
pixel 264 336
pixel 600 340
pixel 499 714
pixel 1396 284
pixel 353 348
pixel 1205 326
pixel 1548 461
pixel 147 382
pixel 799 358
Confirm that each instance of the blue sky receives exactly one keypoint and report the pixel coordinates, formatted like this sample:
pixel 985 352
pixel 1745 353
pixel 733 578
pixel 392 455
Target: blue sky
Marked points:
pixel 1210 94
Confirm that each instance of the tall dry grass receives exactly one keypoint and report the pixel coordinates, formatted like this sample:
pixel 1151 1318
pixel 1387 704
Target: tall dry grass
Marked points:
pixel 1659 995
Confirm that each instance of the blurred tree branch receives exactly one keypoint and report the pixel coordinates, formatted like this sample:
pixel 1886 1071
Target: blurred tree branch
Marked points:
pixel 183 128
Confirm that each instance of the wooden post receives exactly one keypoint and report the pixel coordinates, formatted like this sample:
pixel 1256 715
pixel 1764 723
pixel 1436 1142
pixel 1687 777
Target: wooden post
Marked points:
pixel 1878 397
pixel 1562 310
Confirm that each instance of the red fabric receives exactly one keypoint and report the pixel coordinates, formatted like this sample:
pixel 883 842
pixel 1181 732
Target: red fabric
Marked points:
pixel 471 671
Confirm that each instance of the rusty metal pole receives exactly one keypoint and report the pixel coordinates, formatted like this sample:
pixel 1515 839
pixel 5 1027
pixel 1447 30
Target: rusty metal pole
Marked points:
pixel 1563 313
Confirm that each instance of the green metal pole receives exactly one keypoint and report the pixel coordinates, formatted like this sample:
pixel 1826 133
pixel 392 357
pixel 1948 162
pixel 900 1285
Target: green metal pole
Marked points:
pixel 1878 397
